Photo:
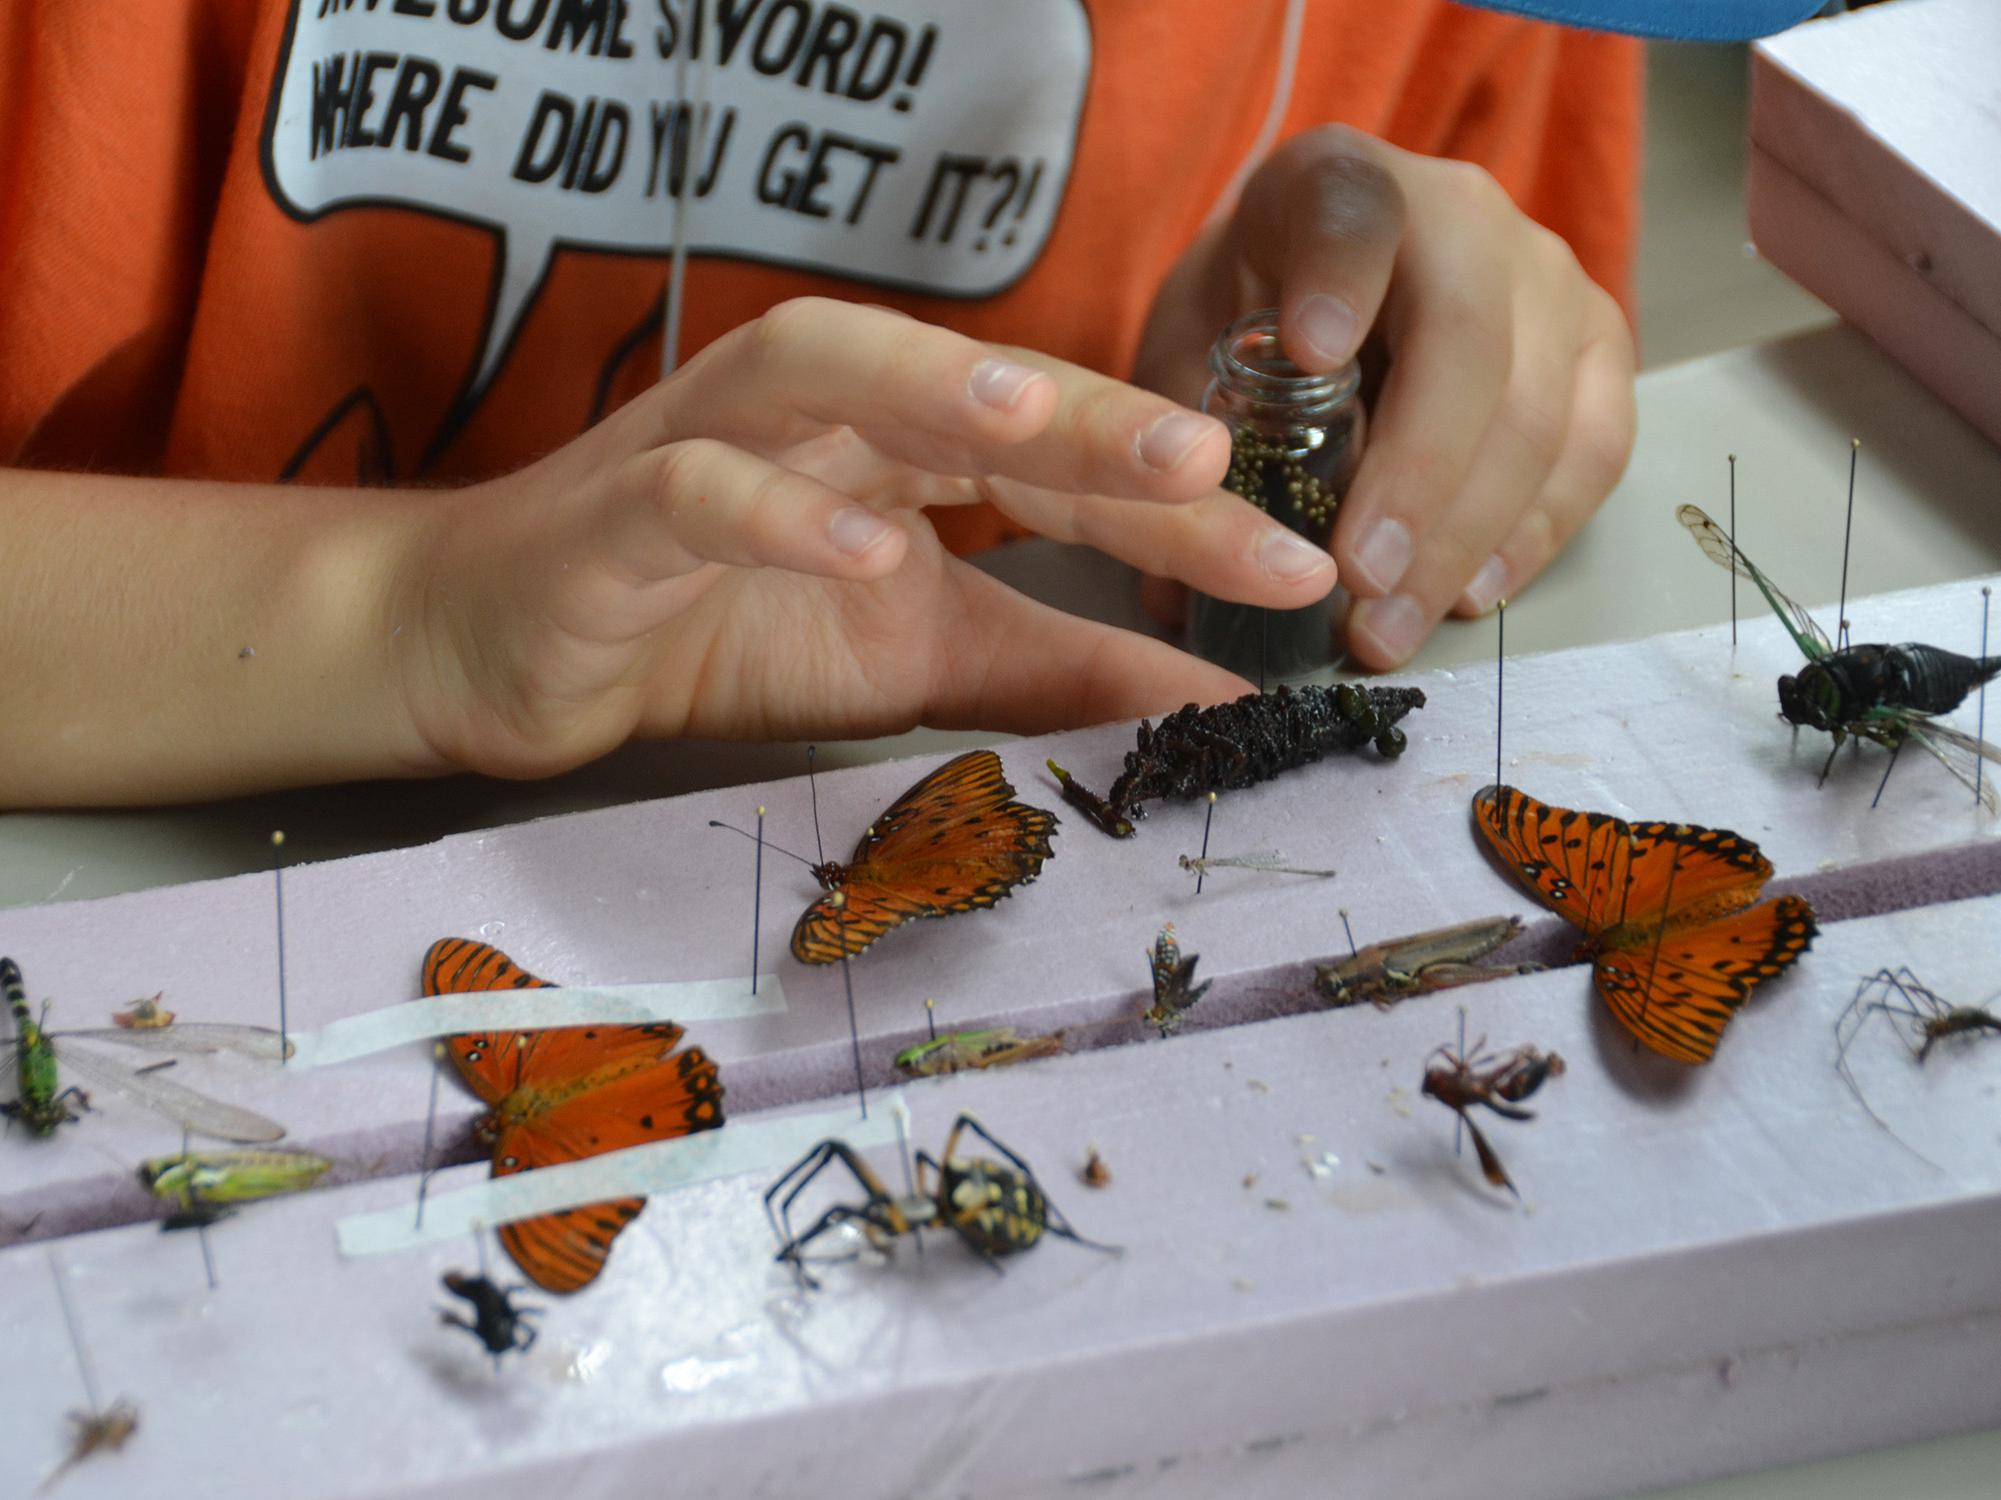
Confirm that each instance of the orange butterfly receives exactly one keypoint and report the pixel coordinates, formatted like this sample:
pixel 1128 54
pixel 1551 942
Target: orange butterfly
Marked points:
pixel 566 1093
pixel 956 841
pixel 1668 913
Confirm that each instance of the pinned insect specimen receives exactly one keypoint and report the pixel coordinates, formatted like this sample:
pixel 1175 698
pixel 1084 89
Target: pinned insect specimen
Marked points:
pixel 201 1182
pixel 99 1429
pixel 41 1105
pixel 1888 694
pixel 497 1321
pixel 1174 989
pixel 1919 1016
pixel 995 1206
pixel 958 1051
pixel 1271 862
pixel 1464 1079
pixel 146 1015
pixel 1669 912
pixel 1233 745
pixel 1384 973
pixel 95 1432
pixel 565 1093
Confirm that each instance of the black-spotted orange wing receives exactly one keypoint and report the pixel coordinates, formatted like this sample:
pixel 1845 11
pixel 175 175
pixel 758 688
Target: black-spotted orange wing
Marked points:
pixel 957 841
pixel 565 1093
pixel 1669 912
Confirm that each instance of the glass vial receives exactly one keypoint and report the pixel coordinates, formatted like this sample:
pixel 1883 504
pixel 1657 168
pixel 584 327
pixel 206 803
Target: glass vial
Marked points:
pixel 1295 442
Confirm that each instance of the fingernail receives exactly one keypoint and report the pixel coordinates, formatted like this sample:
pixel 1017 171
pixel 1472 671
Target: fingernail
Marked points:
pixel 1384 555
pixel 999 383
pixel 1395 624
pixel 854 530
pixel 1290 557
pixel 1170 440
pixel 1330 326
pixel 1486 585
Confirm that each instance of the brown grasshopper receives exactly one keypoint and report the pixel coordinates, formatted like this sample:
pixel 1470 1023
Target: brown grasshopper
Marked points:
pixel 1384 973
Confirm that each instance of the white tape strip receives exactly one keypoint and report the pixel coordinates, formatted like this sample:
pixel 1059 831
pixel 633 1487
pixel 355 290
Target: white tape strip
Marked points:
pixel 685 1001
pixel 740 1147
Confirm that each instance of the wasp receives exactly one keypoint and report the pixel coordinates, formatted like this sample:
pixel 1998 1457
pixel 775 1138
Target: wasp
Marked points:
pixel 1886 694
pixel 1465 1079
pixel 1174 989
pixel 996 1207
pixel 497 1321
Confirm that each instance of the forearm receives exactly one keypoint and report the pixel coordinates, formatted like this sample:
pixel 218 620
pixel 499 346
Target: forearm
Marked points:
pixel 164 640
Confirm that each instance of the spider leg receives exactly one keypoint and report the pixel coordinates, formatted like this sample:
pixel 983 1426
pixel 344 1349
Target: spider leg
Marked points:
pixel 794 1252
pixel 805 1170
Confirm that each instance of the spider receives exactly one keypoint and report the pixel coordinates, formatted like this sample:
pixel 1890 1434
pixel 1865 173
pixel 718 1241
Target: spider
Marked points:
pixel 996 1207
pixel 1468 1077
pixel 496 1321
pixel 1928 1020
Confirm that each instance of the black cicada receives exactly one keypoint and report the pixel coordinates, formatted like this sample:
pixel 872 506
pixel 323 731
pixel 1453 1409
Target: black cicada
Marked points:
pixel 1888 694
pixel 1234 745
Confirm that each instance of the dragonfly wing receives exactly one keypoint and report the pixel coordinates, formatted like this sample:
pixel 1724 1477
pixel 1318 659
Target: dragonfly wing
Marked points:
pixel 198 1038
pixel 1718 548
pixel 182 1105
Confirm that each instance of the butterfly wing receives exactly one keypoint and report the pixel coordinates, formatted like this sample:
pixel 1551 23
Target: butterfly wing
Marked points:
pixel 1717 546
pixel 1603 875
pixel 564 1252
pixel 489 1062
pixel 1677 995
pixel 957 841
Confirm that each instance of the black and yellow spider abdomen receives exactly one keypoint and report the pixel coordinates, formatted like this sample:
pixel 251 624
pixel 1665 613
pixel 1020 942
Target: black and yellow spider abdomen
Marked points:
pixel 992 1207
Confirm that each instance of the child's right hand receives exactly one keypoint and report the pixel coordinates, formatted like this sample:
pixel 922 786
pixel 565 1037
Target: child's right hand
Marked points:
pixel 741 553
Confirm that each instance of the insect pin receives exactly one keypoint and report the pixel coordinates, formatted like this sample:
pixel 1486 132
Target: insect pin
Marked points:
pixel 1384 973
pixel 1920 1018
pixel 1882 693
pixel 1464 1079
pixel 1174 989
pixel 995 1206
pixel 1234 745
pixel 100 1428
pixel 959 1051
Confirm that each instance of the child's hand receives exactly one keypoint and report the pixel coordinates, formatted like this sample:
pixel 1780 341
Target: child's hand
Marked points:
pixel 1506 415
pixel 740 553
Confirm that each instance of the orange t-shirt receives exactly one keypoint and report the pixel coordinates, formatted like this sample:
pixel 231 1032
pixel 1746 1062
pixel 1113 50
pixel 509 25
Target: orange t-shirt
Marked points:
pixel 423 241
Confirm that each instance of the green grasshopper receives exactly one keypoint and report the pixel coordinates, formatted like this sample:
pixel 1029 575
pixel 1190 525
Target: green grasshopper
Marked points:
pixel 200 1180
pixel 44 1107
pixel 959 1050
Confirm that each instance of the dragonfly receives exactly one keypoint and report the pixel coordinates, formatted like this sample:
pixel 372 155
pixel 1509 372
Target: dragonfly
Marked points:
pixel 957 1051
pixel 41 1104
pixel 1886 694
pixel 1268 860
pixel 1384 973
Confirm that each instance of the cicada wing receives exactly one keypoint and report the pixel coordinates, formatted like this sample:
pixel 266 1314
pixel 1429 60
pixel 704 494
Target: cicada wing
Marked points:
pixel 1958 752
pixel 199 1113
pixel 195 1039
pixel 1719 549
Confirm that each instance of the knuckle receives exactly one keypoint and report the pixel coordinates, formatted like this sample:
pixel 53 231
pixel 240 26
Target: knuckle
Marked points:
pixel 679 468
pixel 1538 415
pixel 1355 199
pixel 784 325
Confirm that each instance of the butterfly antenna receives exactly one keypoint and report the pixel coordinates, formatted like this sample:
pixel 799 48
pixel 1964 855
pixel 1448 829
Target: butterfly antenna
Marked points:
pixel 813 789
pixel 278 893
pixel 1500 665
pixel 1733 552
pixel 839 901
pixel 1895 750
pixel 756 900
pixel 1980 731
pixel 1660 933
pixel 1200 868
pixel 430 1125
pixel 763 843
pixel 75 1335
pixel 1353 951
pixel 1847 535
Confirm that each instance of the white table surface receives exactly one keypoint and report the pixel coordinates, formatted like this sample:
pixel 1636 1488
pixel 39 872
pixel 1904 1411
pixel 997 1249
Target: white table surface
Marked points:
pixel 1928 511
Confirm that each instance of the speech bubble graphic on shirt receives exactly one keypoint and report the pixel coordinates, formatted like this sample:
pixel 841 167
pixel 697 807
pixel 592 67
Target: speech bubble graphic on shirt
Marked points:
pixel 920 144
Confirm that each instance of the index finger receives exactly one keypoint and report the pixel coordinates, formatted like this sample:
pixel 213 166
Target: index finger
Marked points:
pixel 940 401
